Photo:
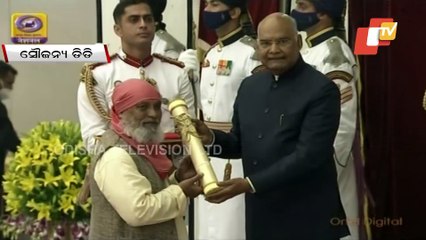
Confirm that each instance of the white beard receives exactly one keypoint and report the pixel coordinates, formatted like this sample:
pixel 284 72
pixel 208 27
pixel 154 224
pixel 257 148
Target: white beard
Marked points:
pixel 141 133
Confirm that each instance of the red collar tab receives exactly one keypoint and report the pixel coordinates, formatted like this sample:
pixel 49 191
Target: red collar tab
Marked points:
pixel 135 62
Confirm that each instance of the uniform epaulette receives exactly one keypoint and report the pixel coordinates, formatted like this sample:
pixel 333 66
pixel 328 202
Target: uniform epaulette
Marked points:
pixel 249 41
pixel 336 55
pixel 169 60
pixel 172 43
pixel 89 67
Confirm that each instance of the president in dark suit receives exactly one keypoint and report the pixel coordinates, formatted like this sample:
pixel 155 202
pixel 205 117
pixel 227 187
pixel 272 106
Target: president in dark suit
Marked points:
pixel 284 123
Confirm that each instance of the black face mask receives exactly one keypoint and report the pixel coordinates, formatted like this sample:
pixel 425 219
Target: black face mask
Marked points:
pixel 304 20
pixel 214 20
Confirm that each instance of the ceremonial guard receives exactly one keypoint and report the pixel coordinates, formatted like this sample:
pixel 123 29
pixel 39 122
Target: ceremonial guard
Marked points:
pixel 329 54
pixel 98 80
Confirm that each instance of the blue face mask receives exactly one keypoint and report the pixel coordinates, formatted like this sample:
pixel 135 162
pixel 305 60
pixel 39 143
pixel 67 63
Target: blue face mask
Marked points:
pixel 214 20
pixel 304 20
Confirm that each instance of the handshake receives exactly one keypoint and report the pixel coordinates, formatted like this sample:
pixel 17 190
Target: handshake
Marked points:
pixel 190 181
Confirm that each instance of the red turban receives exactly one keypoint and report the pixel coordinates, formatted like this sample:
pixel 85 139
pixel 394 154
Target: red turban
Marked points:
pixel 131 92
pixel 125 96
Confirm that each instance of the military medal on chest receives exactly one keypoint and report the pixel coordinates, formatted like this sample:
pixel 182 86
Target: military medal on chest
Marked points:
pixel 224 67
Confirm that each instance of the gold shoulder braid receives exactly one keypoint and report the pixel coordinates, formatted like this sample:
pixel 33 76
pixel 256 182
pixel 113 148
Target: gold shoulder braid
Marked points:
pixel 87 77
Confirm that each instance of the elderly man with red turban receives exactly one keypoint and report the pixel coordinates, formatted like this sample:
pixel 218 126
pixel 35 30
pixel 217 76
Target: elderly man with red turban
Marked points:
pixel 132 192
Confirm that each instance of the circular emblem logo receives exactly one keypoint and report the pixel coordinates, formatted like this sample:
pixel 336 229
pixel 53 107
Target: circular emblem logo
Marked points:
pixel 28 23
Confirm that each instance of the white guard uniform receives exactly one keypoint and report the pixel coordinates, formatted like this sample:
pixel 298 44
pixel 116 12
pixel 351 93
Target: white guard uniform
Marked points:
pixel 332 56
pixel 165 44
pixel 225 66
pixel 171 79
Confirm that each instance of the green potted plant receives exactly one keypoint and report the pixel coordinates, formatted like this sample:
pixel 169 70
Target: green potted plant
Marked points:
pixel 42 182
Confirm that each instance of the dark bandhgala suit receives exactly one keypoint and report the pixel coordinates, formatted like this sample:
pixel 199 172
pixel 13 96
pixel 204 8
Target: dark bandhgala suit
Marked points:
pixel 284 130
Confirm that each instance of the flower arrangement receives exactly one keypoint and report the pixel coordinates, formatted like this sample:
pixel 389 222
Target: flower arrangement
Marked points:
pixel 42 182
pixel 42 229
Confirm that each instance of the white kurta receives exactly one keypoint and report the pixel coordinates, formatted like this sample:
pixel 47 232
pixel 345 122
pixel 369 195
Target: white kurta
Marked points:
pixel 334 58
pixel 130 193
pixel 225 221
pixel 172 82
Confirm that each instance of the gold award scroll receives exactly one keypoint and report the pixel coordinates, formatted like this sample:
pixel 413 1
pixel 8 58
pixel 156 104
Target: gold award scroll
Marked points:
pixel 192 141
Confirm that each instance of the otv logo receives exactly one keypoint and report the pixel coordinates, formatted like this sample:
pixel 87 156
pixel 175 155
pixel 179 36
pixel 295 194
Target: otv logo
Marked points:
pixel 380 33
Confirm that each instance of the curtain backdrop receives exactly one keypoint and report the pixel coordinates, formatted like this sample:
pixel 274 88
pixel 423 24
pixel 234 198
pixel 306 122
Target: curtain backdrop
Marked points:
pixel 394 83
